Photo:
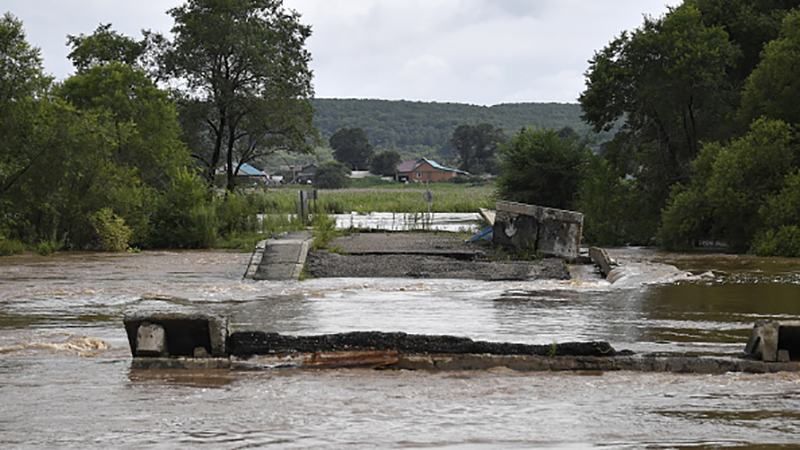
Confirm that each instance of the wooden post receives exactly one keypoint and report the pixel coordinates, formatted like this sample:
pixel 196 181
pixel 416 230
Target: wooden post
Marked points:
pixel 303 207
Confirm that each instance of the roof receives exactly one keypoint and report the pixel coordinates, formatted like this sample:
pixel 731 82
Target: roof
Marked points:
pixel 250 171
pixel 407 166
pixel 438 166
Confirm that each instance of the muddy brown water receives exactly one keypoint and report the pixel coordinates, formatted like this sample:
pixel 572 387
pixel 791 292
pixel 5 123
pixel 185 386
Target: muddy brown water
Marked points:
pixel 60 386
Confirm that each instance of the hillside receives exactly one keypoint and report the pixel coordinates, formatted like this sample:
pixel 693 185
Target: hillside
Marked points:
pixel 417 128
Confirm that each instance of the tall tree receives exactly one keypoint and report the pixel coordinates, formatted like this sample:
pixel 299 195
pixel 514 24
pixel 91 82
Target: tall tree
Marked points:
pixel 351 147
pixel 104 45
pixel 773 89
pixel 476 146
pixel 235 60
pixel 385 163
pixel 668 83
pixel 22 81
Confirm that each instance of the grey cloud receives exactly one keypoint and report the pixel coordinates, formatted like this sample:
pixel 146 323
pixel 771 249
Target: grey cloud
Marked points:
pixel 476 51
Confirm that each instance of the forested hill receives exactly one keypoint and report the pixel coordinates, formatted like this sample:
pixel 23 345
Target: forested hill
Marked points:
pixel 425 128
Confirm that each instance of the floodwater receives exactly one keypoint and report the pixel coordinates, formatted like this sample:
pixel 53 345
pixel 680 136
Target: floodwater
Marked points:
pixel 390 221
pixel 66 381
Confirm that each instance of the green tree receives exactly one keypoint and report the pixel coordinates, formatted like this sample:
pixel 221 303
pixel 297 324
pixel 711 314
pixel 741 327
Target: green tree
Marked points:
pixel 773 88
pixel 668 83
pixel 22 81
pixel 476 146
pixel 385 163
pixel 103 46
pixel 538 167
pixel 237 59
pixel 332 175
pixel 144 119
pixel 731 183
pixel 351 147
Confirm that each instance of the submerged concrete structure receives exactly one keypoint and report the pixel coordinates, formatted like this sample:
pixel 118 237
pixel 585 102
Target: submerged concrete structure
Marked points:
pixel 280 258
pixel 774 341
pixel 196 341
pixel 531 228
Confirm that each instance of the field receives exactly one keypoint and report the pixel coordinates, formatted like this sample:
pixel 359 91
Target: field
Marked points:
pixel 395 197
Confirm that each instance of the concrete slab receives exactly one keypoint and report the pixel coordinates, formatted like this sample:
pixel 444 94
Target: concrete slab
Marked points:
pixel 282 258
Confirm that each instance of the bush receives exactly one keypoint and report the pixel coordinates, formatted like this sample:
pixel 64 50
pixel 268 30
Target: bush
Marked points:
pixel 332 175
pixel 11 247
pixel 112 233
pixel 540 168
pixel 184 217
pixel 48 247
pixel 324 230
pixel 785 241
pixel 236 214
pixel 385 163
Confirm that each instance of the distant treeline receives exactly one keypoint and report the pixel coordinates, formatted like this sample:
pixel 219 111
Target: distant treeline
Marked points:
pixel 416 128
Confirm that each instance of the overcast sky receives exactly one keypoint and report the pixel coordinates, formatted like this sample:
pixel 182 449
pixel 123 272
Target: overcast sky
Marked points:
pixel 474 51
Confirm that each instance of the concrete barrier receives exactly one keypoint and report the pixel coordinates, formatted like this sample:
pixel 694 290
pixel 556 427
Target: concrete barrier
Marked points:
pixel 774 341
pixel 548 231
pixel 600 258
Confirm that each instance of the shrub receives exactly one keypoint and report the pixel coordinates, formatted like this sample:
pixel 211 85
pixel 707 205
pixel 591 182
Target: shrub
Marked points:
pixel 11 247
pixel 324 230
pixel 48 247
pixel 236 214
pixel 540 168
pixel 184 217
pixel 112 233
pixel 785 241
pixel 332 175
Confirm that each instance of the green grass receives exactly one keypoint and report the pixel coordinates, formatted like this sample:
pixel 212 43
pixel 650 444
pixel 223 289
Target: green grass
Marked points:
pixel 395 197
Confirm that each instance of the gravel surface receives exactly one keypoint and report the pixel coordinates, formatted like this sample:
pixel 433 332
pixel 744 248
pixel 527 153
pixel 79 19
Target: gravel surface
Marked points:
pixel 402 255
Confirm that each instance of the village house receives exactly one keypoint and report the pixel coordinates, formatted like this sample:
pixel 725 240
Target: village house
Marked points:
pixel 247 175
pixel 425 170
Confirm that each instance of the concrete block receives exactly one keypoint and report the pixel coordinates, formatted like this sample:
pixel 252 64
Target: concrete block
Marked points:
pixel 151 340
pixel 599 257
pixel 763 343
pixel 182 333
pixel 548 231
pixel 783 356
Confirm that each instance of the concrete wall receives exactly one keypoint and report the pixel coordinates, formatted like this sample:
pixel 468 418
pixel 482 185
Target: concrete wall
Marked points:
pixel 549 231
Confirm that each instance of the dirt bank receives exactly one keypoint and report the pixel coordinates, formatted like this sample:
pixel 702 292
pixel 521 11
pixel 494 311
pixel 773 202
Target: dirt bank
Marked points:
pixel 424 255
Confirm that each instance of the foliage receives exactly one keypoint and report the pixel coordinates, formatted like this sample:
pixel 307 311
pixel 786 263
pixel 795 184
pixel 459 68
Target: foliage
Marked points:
pixel 540 168
pixel 323 230
pixel 773 88
pixel 668 82
pixel 142 117
pixel 730 184
pixel 184 216
pixel 102 47
pixel 385 163
pixel 351 147
pixel 244 73
pixel 47 247
pixel 332 175
pixel 476 147
pixel 235 214
pixel 112 233
pixel 605 199
pixel 785 241
pixel 10 247
pixel 424 129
